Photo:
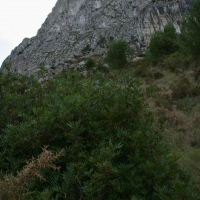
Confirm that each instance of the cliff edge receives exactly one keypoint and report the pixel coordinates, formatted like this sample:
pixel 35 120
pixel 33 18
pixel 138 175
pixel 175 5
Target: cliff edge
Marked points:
pixel 76 28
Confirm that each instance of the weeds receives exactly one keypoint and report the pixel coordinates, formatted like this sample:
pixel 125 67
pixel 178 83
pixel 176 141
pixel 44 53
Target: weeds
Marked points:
pixel 14 187
pixel 184 88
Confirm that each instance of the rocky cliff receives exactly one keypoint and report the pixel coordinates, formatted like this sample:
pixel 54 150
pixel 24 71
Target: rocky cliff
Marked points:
pixel 78 28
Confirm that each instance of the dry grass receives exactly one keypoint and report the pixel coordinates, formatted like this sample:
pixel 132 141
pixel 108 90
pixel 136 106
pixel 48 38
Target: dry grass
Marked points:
pixel 176 104
pixel 176 118
pixel 14 187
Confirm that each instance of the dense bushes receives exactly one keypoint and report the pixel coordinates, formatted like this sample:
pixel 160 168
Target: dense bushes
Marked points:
pixel 14 187
pixel 190 37
pixel 90 64
pixel 112 148
pixel 187 42
pixel 116 56
pixel 163 42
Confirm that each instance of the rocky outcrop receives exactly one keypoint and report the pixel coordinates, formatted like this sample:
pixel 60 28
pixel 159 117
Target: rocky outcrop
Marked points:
pixel 79 28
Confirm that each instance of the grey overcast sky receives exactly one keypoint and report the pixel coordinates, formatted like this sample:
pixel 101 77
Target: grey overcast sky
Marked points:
pixel 20 19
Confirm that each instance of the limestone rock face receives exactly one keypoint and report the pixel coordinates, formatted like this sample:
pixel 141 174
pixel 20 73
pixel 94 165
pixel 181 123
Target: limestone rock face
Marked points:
pixel 78 28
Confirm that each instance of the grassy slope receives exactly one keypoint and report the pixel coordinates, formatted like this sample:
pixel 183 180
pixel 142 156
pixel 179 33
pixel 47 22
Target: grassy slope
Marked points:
pixel 173 93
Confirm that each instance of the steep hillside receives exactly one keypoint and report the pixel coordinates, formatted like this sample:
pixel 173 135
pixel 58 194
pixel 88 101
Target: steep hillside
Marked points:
pixel 77 28
pixel 120 128
pixel 121 134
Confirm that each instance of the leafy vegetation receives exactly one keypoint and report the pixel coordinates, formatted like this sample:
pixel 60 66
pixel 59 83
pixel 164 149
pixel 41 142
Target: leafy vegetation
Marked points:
pixel 163 42
pixel 14 187
pixel 90 64
pixel 116 56
pixel 190 37
pixel 105 130
pixel 167 42
pixel 110 135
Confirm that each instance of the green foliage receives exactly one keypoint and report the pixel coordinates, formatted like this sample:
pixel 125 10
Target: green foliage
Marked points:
pixel 90 64
pixel 7 66
pixel 116 56
pixel 190 37
pixel 113 149
pixel 163 42
pixel 168 41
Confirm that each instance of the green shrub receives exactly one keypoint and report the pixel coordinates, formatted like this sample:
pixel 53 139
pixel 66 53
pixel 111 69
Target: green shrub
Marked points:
pixel 116 56
pixel 113 148
pixel 163 42
pixel 6 66
pixel 90 64
pixel 190 37
pixel 14 187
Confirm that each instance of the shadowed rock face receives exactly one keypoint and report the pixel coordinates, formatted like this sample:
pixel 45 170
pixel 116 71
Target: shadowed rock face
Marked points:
pixel 85 27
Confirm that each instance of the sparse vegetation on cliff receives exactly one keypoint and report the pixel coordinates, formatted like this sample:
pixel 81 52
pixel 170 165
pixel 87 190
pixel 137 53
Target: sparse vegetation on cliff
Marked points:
pixel 190 37
pixel 116 56
pixel 163 42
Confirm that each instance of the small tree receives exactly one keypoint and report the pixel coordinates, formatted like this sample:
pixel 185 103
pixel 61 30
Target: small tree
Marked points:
pixel 190 32
pixel 90 64
pixel 163 42
pixel 117 54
